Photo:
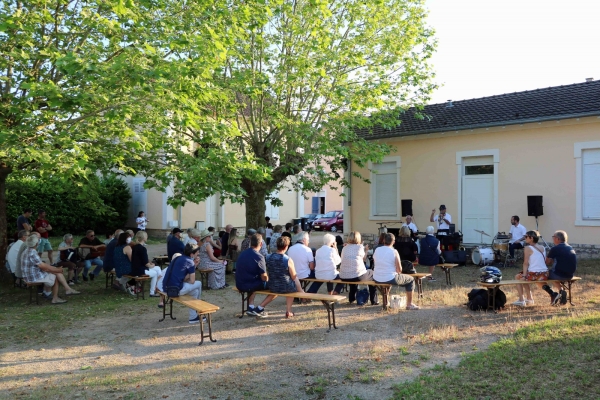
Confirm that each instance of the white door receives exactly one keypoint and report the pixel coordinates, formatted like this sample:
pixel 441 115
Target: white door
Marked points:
pixel 477 200
pixel 212 211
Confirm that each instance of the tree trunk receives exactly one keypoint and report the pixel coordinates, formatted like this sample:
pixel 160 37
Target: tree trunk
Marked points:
pixel 255 206
pixel 4 172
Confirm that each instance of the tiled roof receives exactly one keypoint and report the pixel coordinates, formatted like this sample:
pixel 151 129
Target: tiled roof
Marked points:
pixel 559 102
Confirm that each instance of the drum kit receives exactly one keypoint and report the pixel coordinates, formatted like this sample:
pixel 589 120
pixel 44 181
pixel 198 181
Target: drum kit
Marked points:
pixel 486 255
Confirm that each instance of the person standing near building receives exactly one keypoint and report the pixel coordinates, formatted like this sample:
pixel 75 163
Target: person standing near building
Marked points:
pixel 43 227
pixel 443 219
pixel 141 221
pixel 23 223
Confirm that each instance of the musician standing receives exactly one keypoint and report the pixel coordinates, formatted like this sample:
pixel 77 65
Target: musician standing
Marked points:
pixel 516 235
pixel 443 219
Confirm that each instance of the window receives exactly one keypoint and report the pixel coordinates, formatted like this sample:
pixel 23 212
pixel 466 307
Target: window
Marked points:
pixel 385 189
pixel 272 211
pixel 587 158
pixel 591 184
pixel 479 169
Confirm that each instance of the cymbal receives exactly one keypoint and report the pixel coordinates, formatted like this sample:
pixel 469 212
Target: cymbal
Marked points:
pixel 482 232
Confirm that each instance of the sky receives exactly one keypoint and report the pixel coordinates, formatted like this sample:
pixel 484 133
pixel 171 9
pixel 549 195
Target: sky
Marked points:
pixel 490 47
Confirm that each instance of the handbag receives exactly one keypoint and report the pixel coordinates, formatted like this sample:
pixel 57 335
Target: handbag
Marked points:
pixel 397 302
pixel 408 267
pixel 172 291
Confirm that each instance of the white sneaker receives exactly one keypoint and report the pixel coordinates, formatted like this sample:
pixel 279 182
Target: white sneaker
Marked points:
pixel 529 302
pixel 519 303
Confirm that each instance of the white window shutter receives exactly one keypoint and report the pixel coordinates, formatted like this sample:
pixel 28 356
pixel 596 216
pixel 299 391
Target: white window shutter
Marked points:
pixel 591 184
pixel 386 189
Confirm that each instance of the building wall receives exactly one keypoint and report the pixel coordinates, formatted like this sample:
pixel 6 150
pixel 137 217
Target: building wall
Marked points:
pixel 533 159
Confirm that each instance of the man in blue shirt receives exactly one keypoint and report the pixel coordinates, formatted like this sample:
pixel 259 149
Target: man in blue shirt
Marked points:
pixel 174 244
pixel 182 273
pixel 251 275
pixel 564 261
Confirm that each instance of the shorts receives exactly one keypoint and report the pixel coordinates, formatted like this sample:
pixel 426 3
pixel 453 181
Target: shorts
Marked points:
pixel 407 281
pixel 554 276
pixel 44 245
pixel 48 280
pixel 537 276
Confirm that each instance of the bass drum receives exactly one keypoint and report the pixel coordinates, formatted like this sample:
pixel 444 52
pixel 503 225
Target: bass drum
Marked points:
pixel 482 256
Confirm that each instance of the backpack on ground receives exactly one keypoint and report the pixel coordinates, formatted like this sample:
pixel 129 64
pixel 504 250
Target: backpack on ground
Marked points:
pixel 362 296
pixel 478 299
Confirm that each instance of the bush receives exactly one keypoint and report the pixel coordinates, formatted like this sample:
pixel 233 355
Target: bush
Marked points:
pixel 71 207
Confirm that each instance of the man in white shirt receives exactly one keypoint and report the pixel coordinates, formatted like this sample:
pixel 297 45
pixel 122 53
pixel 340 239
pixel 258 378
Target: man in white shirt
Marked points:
pixel 411 225
pixel 443 219
pixel 13 252
pixel 517 235
pixel 302 256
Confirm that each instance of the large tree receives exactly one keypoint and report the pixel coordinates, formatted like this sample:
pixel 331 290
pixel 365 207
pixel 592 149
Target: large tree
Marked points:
pixel 89 85
pixel 294 91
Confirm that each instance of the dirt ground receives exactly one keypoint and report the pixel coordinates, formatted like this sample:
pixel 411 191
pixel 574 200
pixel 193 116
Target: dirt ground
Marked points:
pixel 129 354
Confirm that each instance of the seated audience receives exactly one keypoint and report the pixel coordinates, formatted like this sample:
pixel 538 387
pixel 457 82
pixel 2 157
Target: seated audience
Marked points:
pixel 563 260
pixel 430 252
pixel 327 259
pixel 406 246
pixel 174 244
pixel 35 270
pixel 68 257
pixel 353 268
pixel 251 275
pixel 141 265
pixel 388 269
pixel 534 268
pixel 122 263
pixel 282 274
pixel 276 233
pixel 13 253
pixel 109 264
pixel 216 279
pixel 182 274
pixel 90 241
pixel 233 247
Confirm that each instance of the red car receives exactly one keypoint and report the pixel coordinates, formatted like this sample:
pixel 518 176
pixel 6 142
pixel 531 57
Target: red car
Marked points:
pixel 332 221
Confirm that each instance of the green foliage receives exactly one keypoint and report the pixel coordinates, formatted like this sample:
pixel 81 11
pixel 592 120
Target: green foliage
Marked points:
pixel 69 209
pixel 294 88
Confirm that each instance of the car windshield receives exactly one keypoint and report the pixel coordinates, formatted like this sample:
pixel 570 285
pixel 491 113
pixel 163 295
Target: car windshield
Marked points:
pixel 310 215
pixel 330 214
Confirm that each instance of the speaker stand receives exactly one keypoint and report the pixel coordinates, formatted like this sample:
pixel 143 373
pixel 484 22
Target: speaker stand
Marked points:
pixel 546 246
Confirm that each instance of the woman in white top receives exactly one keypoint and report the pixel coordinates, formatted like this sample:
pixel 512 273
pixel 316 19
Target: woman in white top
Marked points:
pixel 388 269
pixel 534 268
pixel 327 259
pixel 353 267
pixel 141 221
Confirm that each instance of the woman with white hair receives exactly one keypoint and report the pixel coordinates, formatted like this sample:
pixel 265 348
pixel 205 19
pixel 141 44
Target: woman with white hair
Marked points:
pixel 430 252
pixel 353 267
pixel 69 258
pixel 216 279
pixel 327 259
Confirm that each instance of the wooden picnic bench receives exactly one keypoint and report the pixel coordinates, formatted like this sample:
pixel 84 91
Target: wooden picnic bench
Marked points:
pixel 446 267
pixel 204 276
pixel 383 288
pixel 32 292
pixel 142 280
pixel 328 301
pixel 110 278
pixel 202 308
pixel 493 288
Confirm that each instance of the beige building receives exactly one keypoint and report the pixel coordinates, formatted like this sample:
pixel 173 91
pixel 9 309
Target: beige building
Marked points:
pixel 163 217
pixel 482 158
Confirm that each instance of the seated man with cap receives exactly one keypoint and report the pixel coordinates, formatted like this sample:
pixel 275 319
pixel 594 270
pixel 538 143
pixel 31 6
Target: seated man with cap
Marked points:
pixel 175 245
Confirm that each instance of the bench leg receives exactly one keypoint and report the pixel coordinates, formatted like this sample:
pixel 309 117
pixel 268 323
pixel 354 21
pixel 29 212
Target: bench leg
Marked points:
pixel 204 279
pixel 567 286
pixel 330 307
pixel 385 293
pixel 170 314
pixel 419 282
pixel 202 335
pixel 245 299
pixel 448 278
pixel 143 293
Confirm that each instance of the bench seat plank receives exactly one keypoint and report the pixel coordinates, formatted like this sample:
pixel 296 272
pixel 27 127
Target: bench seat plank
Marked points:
pixel 328 301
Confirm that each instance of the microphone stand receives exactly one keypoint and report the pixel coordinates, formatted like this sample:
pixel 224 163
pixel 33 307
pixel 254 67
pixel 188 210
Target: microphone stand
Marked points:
pixel 546 246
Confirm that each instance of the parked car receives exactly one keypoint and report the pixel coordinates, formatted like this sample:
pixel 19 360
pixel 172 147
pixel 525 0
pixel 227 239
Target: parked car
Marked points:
pixel 332 221
pixel 310 219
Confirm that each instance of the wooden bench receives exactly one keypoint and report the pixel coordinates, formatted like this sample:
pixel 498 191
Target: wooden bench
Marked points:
pixel 493 288
pixel 161 260
pixel 204 276
pixel 142 280
pixel 202 308
pixel 383 288
pixel 328 301
pixel 32 292
pixel 446 267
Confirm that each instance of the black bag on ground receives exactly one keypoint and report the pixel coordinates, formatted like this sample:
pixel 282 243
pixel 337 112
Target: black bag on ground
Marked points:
pixel 455 256
pixel 478 299
pixel 362 296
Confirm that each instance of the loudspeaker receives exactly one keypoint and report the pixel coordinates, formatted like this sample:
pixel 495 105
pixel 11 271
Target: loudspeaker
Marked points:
pixel 534 206
pixel 406 207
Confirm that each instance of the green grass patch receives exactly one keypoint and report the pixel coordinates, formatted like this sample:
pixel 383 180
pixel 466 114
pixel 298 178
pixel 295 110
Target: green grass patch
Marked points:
pixel 558 358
